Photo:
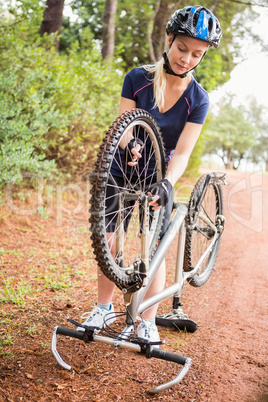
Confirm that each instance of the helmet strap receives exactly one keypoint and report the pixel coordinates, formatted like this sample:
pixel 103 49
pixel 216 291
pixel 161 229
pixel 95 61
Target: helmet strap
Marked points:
pixel 169 70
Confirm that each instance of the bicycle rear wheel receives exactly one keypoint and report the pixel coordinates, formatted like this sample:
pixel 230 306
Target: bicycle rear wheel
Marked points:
pixel 203 229
pixel 117 193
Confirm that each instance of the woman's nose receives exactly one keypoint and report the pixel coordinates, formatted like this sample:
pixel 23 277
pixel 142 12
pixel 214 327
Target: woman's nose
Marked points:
pixel 186 57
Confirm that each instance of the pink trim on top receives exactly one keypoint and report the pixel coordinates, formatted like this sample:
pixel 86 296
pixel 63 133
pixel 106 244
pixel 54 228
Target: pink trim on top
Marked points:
pixel 169 156
pixel 141 89
pixel 189 107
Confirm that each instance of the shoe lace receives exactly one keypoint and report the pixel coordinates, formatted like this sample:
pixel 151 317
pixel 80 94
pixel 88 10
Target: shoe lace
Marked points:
pixel 177 313
pixel 148 327
pixel 92 313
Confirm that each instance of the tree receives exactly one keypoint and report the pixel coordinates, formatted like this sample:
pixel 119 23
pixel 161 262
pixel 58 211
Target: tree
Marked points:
pixel 108 29
pixel 140 32
pixel 257 115
pixel 230 135
pixel 163 11
pixel 49 101
pixel 52 19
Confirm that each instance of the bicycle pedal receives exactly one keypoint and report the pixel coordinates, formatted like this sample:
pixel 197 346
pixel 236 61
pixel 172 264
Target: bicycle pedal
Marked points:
pixel 179 323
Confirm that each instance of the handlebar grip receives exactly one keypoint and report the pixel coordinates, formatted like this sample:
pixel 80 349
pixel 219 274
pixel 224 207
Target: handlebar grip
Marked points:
pixel 70 332
pixel 171 357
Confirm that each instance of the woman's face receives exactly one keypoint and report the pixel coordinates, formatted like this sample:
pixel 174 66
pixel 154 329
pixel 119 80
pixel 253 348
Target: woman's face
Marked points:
pixel 185 53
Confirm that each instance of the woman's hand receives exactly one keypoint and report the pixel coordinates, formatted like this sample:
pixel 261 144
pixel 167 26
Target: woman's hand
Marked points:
pixel 132 153
pixel 161 191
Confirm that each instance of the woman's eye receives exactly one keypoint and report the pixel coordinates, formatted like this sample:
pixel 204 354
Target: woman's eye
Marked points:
pixel 181 50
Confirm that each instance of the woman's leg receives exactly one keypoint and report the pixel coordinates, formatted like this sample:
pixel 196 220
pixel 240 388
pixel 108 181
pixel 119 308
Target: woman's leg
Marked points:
pixel 105 286
pixel 158 283
pixel 156 286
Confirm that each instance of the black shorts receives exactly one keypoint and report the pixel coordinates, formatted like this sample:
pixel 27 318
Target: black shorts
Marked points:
pixel 112 206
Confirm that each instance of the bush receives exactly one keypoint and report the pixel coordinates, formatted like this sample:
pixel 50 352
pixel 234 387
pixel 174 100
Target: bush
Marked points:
pixel 54 108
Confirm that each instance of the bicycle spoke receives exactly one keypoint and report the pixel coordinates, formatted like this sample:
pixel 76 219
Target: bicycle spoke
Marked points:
pixel 202 237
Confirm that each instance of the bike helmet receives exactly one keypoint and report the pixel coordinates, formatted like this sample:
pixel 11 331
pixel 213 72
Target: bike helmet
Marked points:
pixel 197 22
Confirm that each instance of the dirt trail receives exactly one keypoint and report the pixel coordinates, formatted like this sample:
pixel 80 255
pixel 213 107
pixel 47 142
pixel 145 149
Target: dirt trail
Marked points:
pixel 234 321
pixel 229 350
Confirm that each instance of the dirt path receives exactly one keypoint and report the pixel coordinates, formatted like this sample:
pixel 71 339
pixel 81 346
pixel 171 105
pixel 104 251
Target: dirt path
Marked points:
pixel 235 315
pixel 48 272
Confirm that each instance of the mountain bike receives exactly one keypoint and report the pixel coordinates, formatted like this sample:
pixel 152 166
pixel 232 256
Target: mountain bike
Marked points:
pixel 128 242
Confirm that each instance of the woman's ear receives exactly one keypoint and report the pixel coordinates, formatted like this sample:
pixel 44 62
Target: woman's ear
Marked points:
pixel 170 39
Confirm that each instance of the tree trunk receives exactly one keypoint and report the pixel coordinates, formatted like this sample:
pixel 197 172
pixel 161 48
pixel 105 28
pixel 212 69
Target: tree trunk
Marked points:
pixel 229 160
pixel 165 9
pixel 149 33
pixel 52 18
pixel 109 29
pixel 214 5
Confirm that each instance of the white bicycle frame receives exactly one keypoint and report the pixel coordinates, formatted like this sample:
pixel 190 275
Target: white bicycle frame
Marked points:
pixel 135 302
pixel 177 226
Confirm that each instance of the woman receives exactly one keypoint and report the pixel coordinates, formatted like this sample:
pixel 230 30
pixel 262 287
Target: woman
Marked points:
pixel 179 106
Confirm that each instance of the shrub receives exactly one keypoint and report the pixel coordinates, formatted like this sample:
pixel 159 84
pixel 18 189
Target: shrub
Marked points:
pixel 53 107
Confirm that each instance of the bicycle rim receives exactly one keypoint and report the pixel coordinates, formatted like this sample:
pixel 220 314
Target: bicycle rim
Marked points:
pixel 201 233
pixel 116 203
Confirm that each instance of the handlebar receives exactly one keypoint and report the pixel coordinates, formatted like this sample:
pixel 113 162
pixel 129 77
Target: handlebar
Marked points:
pixel 70 332
pixel 87 335
pixel 162 354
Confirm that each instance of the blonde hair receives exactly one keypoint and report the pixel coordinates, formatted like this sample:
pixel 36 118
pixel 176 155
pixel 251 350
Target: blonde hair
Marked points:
pixel 160 81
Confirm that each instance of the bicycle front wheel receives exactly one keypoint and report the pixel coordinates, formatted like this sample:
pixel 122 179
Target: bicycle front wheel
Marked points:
pixel 203 229
pixel 117 197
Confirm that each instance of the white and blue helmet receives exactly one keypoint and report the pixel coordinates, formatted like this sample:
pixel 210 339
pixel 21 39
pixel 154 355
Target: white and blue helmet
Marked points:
pixel 197 22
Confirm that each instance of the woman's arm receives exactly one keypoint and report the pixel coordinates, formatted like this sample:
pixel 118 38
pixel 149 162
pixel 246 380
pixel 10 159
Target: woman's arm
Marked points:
pixel 182 152
pixel 128 104
pixel 180 157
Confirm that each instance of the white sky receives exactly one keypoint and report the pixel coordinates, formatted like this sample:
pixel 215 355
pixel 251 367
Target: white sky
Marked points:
pixel 250 77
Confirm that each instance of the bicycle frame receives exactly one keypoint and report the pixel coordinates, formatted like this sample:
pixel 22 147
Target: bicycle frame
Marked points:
pixel 136 304
pixel 176 226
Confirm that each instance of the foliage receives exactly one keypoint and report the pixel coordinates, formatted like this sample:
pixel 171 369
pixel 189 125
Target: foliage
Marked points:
pixel 131 27
pixel 230 134
pixel 53 107
pixel 218 63
pixel 257 115
pixel 135 22
pixel 195 158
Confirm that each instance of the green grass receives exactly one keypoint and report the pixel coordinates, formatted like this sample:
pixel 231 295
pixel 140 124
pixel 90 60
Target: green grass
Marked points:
pixel 5 318
pixel 33 329
pixel 6 340
pixel 15 292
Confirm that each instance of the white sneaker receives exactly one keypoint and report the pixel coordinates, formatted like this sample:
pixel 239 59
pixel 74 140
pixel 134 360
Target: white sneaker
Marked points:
pixel 148 331
pixel 176 314
pixel 99 317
